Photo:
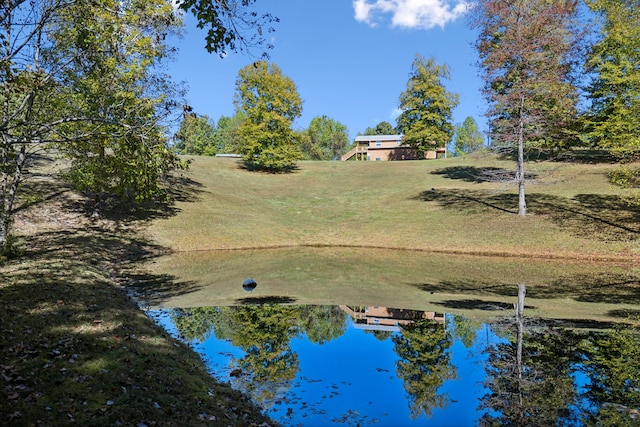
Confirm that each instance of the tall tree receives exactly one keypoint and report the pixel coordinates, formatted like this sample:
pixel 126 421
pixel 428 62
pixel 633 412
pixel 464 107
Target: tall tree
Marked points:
pixel 614 61
pixel 427 106
pixel 525 49
pixel 271 102
pixel 33 112
pixel 327 139
pixel 196 136
pixel 116 48
pixel 467 137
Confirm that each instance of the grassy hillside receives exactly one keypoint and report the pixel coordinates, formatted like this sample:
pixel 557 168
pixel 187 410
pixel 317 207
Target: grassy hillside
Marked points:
pixel 450 205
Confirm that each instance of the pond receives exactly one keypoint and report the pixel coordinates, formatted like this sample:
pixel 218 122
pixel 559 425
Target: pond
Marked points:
pixel 373 337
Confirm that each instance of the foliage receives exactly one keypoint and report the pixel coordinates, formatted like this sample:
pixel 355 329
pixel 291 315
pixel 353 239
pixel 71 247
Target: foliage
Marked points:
pixel 196 136
pixel 323 323
pixel 227 138
pixel 427 106
pixel 424 365
pixel 271 102
pixel 537 391
pixel 382 128
pixel 467 137
pixel 525 50
pixel 614 120
pixel 614 387
pixel 111 79
pixel 465 329
pixel 326 139
pixel 229 25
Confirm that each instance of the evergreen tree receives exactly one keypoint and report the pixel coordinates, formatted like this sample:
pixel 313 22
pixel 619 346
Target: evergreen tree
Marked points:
pixel 427 107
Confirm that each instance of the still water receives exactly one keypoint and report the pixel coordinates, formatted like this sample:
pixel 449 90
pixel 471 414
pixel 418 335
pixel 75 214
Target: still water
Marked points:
pixel 332 365
pixel 330 337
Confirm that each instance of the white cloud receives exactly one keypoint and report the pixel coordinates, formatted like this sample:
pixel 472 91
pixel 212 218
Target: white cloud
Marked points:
pixel 419 14
pixel 395 113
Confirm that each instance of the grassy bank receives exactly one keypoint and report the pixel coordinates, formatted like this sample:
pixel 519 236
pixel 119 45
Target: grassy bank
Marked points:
pixel 452 205
pixel 75 348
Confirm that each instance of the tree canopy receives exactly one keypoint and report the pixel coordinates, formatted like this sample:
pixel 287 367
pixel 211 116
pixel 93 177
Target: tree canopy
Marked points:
pixel 467 137
pixel 382 128
pixel 613 122
pixel 271 103
pixel 196 136
pixel 525 50
pixel 427 106
pixel 326 139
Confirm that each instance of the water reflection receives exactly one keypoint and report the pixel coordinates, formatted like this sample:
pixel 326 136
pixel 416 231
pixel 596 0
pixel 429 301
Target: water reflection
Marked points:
pixel 319 365
pixel 544 375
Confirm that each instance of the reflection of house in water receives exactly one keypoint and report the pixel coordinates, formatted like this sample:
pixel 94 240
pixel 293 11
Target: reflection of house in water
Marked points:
pixel 387 318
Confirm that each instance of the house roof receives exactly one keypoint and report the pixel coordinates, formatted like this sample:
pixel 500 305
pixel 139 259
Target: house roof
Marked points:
pixel 378 137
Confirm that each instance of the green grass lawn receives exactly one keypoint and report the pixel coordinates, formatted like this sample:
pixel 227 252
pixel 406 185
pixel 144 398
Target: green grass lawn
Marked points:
pixel 451 205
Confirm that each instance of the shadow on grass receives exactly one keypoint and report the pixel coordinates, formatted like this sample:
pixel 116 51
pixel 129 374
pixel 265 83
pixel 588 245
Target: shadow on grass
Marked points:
pixel 611 288
pixel 76 349
pixel 265 300
pixel 254 167
pixel 178 187
pixel 597 216
pixel 476 175
pixel 477 304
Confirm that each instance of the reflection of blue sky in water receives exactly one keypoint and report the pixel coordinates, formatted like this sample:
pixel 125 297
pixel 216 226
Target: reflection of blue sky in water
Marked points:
pixel 352 380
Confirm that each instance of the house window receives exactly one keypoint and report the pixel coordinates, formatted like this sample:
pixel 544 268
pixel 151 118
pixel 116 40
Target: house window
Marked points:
pixel 378 144
pixel 377 159
pixel 398 142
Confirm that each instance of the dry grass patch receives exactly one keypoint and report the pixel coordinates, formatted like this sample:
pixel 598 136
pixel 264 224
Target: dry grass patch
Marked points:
pixel 443 205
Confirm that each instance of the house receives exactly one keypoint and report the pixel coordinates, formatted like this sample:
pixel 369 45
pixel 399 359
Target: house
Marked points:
pixel 387 318
pixel 386 147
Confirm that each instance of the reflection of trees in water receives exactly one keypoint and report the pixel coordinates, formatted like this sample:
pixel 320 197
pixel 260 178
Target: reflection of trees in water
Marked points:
pixel 531 376
pixel 612 362
pixel 264 333
pixel 424 364
pixel 465 329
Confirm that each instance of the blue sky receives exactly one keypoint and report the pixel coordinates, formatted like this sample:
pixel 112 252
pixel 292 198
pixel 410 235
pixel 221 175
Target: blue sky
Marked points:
pixel 350 60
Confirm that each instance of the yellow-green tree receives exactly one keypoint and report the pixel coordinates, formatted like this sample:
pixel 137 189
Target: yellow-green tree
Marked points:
pixel 271 103
pixel 614 122
pixel 121 150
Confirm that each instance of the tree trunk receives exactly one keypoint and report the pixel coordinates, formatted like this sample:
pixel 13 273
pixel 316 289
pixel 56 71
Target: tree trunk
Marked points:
pixel 9 198
pixel 522 204
pixel 519 308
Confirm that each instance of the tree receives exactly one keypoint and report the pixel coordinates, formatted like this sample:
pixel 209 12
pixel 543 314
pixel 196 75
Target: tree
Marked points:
pixel 613 122
pixel 382 128
pixel 226 137
pixel 271 102
pixel 196 136
pixel 327 139
pixel 28 97
pixel 427 106
pixel 467 137
pixel 116 47
pixel 525 50
pixel 35 97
